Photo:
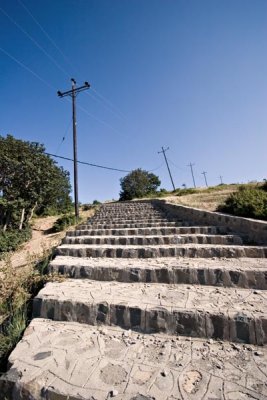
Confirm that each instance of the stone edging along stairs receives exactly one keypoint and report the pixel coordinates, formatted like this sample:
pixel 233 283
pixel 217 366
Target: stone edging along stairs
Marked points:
pixel 153 309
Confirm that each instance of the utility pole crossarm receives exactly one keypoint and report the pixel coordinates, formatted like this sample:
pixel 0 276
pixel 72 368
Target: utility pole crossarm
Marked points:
pixel 73 93
pixel 163 151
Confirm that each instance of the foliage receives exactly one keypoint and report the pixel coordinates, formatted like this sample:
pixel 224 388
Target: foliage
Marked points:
pixel 29 181
pixel 264 186
pixel 17 288
pixel 183 192
pixel 96 202
pixel 63 222
pixel 11 239
pixel 138 183
pixel 247 202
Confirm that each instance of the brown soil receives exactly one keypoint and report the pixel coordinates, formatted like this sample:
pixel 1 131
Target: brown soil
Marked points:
pixel 41 242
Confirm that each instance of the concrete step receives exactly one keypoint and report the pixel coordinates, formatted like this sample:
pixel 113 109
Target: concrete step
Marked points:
pixel 130 225
pixel 154 240
pixel 127 220
pixel 152 213
pixel 208 230
pixel 199 311
pixel 242 273
pixel 70 361
pixel 190 250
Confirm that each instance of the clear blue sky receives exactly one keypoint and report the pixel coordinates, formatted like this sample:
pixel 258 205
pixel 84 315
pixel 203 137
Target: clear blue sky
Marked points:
pixel 187 74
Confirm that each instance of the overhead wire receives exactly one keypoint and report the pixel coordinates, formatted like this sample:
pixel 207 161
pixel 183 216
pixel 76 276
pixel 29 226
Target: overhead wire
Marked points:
pixel 104 100
pixel 64 137
pixel 46 33
pixel 27 68
pixel 87 163
pixel 34 41
pixel 57 65
pixel 181 169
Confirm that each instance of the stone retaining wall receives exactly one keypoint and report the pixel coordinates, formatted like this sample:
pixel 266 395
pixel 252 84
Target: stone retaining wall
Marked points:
pixel 252 230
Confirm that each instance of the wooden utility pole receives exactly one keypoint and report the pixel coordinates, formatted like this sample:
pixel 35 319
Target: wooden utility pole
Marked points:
pixel 73 93
pixel 204 173
pixel 191 166
pixel 163 151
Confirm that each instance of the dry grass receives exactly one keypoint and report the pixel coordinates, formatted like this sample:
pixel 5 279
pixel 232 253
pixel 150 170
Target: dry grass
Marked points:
pixel 205 200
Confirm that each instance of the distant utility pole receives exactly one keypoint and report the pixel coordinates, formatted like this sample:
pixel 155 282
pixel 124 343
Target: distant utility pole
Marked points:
pixel 221 179
pixel 191 166
pixel 163 151
pixel 204 173
pixel 73 93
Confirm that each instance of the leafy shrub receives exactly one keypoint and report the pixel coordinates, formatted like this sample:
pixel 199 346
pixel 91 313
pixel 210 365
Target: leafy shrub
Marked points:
pixel 96 202
pixel 63 222
pixel 247 202
pixel 137 184
pixel 183 192
pixel 87 207
pixel 264 186
pixel 11 239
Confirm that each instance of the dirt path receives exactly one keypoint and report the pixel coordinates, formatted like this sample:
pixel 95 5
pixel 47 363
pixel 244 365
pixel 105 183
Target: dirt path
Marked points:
pixel 42 240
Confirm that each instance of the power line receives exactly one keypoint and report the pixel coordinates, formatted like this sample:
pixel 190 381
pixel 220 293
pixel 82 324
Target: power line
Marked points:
pixel 64 137
pixel 103 98
pixel 27 68
pixel 87 163
pixel 163 151
pixel 34 41
pixel 155 169
pixel 191 166
pixel 45 33
pixel 103 104
pixel 221 179
pixel 176 166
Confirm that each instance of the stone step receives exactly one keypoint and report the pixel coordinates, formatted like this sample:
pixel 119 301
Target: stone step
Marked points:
pixel 130 225
pixel 189 250
pixel 151 212
pixel 70 361
pixel 208 230
pixel 143 220
pixel 199 311
pixel 128 219
pixel 243 273
pixel 154 240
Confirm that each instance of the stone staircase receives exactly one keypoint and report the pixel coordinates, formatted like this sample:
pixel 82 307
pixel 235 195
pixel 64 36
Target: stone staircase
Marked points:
pixel 152 308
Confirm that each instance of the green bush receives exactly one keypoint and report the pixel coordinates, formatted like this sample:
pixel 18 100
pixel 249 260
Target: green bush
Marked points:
pixel 11 239
pixel 63 222
pixel 247 202
pixel 183 192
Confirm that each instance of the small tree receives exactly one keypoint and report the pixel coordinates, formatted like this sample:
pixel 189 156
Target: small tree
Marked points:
pixel 138 183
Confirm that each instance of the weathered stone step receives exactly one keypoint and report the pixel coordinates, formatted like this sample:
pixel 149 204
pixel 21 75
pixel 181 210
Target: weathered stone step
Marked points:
pixel 127 219
pixel 130 225
pixel 70 361
pixel 208 230
pixel 199 311
pixel 154 240
pixel 243 273
pixel 152 212
pixel 190 250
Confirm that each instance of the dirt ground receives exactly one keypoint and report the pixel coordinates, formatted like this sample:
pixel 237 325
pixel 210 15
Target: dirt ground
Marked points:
pixel 41 242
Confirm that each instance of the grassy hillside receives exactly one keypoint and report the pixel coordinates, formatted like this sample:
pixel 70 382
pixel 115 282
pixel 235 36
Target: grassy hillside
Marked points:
pixel 203 198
